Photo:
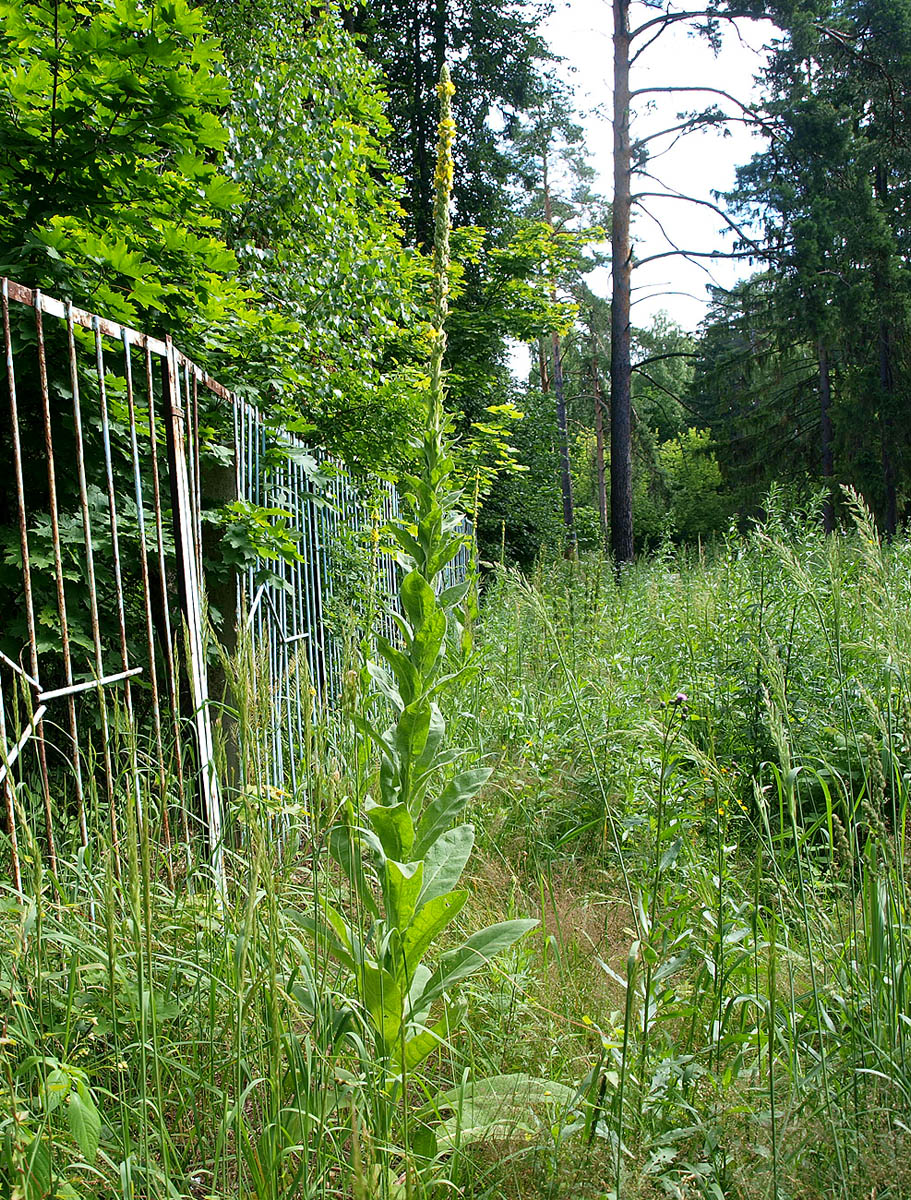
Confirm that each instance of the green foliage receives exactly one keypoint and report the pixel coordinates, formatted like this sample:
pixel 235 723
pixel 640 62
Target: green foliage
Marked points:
pixel 708 757
pixel 317 232
pixel 690 476
pixel 830 201
pixel 110 132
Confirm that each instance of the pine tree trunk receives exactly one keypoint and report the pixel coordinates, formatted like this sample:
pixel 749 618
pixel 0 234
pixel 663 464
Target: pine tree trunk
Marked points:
pixel 542 368
pixel 825 412
pixel 621 473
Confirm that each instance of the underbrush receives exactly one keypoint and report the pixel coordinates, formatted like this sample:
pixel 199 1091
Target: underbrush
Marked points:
pixel 699 791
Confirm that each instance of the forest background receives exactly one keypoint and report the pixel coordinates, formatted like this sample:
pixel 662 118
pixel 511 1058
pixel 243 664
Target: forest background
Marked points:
pixel 256 181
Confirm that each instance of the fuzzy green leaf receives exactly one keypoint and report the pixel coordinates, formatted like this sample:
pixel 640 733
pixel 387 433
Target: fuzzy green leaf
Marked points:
pixel 430 920
pixel 402 883
pixel 394 828
pixel 445 861
pixel 441 812
pixel 473 954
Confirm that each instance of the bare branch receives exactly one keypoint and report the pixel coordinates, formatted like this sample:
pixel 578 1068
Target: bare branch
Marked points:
pixel 752 114
pixel 691 124
pixel 663 293
pixel 654 358
pixel 669 18
pixel 667 391
pixel 672 195
pixel 717 254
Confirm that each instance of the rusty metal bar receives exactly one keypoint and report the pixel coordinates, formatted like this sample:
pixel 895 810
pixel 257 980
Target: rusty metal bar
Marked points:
pixel 30 730
pixel 26 567
pixel 285 618
pixel 10 807
pixel 191 595
pixel 58 576
pixel 93 591
pixel 147 607
pixel 14 666
pixel 168 639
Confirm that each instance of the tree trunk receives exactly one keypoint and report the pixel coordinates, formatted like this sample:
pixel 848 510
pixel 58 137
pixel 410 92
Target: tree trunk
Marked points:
pixel 825 412
pixel 621 474
pixel 566 479
pixel 599 448
pixel 542 368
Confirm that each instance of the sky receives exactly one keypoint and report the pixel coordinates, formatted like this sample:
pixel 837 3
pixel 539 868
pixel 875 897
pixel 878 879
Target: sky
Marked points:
pixel 700 163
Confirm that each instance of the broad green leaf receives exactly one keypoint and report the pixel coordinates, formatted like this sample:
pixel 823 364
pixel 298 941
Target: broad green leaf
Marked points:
pixel 402 884
pixel 430 920
pixel 445 861
pixel 84 1121
pixel 441 812
pixel 451 596
pixel 411 732
pixel 409 679
pixel 418 599
pixel 425 645
pixel 56 1086
pixel 422 1044
pixel 434 738
pixel 384 683
pixel 345 847
pixel 394 828
pixel 382 997
pixel 495 1108
pixel 473 954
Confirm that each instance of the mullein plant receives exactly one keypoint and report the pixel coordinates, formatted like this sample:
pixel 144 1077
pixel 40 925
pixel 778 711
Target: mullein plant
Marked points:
pixel 404 848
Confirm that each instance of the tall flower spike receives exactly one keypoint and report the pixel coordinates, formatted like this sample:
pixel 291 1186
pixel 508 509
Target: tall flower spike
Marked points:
pixel 442 196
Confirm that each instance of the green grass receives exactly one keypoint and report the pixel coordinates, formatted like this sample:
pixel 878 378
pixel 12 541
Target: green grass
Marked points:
pixel 718 995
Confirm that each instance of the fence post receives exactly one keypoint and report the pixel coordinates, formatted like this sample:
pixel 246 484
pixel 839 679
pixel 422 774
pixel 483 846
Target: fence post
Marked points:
pixel 189 587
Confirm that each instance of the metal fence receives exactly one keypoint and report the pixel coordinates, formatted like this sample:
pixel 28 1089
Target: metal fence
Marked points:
pixel 119 450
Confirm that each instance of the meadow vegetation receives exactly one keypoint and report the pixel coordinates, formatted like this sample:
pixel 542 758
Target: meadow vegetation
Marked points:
pixel 698 788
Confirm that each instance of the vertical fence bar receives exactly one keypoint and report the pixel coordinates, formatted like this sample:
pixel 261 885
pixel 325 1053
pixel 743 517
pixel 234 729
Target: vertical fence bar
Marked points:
pixel 58 572
pixel 168 649
pixel 189 586
pixel 287 619
pixel 93 592
pixel 9 804
pixel 26 564
pixel 118 574
pixel 147 605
